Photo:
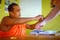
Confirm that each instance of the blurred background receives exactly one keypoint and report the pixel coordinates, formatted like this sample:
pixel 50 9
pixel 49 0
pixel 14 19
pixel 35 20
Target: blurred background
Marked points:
pixel 32 8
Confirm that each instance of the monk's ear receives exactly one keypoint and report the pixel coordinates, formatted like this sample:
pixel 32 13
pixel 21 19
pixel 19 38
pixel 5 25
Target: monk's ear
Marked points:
pixel 11 13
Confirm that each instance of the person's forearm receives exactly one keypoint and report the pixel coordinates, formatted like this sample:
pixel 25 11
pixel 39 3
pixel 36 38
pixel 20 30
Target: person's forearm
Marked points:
pixel 17 21
pixel 24 20
pixel 52 14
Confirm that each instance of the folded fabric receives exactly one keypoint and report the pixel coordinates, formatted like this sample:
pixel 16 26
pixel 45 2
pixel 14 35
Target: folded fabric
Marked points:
pixel 16 30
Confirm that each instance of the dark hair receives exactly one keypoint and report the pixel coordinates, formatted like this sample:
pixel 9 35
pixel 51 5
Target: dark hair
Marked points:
pixel 10 7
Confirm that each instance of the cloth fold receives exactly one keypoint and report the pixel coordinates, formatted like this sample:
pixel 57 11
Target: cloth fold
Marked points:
pixel 16 30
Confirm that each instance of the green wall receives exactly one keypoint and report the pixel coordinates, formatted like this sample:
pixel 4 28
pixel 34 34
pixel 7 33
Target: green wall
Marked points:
pixel 53 24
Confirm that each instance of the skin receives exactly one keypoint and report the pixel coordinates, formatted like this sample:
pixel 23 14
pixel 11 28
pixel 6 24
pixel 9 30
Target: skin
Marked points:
pixel 14 19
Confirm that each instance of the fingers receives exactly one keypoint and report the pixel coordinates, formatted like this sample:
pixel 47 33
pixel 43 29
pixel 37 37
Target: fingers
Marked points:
pixel 41 17
pixel 38 26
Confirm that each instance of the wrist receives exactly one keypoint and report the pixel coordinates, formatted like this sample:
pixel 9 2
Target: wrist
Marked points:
pixel 35 18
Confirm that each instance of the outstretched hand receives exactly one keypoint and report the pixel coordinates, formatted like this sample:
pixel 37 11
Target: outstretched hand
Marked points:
pixel 39 17
pixel 39 25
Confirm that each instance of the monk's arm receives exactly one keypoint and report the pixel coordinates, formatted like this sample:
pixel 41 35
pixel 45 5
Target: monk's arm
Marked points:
pixel 33 26
pixel 9 21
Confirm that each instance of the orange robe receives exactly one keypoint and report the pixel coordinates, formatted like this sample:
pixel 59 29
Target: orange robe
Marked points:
pixel 16 30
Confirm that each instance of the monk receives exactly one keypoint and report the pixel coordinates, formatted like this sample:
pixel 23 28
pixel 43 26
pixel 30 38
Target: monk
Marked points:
pixel 14 25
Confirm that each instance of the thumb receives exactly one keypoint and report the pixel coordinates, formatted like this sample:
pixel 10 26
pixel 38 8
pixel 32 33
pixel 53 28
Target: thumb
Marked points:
pixel 38 26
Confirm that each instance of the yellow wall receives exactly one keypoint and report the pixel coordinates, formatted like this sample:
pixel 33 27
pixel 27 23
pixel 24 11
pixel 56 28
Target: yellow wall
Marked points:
pixel 2 5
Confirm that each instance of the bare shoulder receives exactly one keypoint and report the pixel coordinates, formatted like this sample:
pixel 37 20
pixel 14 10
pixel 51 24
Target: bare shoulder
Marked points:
pixel 4 19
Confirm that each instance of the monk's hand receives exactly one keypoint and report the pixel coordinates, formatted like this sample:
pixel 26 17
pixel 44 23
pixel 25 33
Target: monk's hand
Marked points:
pixel 38 26
pixel 39 17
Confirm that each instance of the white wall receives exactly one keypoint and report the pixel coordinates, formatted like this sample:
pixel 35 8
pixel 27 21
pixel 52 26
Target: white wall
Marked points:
pixel 30 8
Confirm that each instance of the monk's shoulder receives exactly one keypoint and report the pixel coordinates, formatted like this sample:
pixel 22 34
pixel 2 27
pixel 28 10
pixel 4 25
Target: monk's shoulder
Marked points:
pixel 4 19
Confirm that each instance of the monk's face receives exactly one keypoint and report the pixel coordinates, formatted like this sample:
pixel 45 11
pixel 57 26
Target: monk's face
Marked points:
pixel 16 12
